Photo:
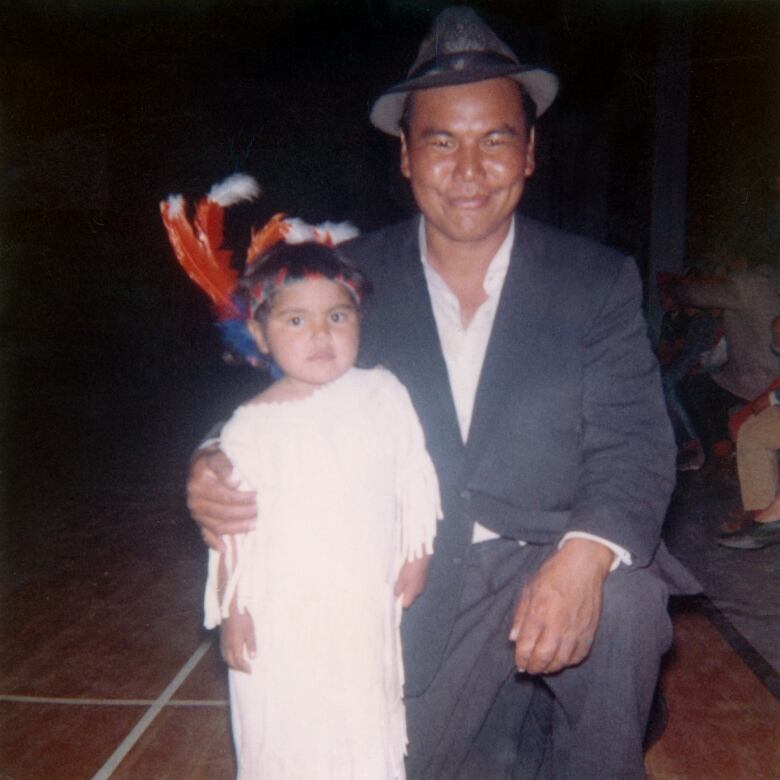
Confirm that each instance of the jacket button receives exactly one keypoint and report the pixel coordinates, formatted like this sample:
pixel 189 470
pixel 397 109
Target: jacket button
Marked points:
pixel 465 494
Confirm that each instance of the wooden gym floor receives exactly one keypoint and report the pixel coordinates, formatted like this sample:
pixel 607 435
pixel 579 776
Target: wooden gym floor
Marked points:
pixel 107 673
pixel 105 670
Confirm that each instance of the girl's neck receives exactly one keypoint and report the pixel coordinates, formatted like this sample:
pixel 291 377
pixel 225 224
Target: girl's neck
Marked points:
pixel 287 390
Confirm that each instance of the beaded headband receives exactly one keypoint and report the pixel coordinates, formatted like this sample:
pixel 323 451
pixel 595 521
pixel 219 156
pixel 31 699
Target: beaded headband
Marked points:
pixel 197 244
pixel 262 292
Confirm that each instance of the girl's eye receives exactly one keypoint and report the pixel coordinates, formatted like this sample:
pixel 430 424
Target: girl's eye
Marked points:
pixel 338 316
pixel 296 320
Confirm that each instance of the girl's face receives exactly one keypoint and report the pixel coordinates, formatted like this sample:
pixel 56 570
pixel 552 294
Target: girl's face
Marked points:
pixel 311 331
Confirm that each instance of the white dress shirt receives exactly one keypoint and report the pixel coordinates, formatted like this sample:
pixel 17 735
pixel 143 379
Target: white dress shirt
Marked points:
pixel 464 353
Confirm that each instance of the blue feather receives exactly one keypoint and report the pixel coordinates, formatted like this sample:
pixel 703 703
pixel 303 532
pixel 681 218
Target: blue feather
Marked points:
pixel 239 340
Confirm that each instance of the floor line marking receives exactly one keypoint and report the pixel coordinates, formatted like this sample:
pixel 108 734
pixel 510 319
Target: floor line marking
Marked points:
pixel 72 701
pixel 741 645
pixel 135 734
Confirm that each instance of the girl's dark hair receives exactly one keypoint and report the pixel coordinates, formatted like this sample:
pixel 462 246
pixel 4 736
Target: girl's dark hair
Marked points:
pixel 286 263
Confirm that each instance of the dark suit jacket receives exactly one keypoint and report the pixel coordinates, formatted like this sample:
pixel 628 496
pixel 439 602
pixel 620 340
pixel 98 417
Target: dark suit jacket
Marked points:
pixel 569 430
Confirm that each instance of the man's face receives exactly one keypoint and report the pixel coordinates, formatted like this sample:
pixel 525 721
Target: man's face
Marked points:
pixel 467 156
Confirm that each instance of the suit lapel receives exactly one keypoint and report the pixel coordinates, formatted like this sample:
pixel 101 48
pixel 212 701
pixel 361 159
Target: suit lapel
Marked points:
pixel 418 359
pixel 513 339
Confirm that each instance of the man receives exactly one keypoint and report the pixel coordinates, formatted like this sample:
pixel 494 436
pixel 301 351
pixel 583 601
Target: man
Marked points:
pixel 749 296
pixel 525 355
pixel 687 334
pixel 758 442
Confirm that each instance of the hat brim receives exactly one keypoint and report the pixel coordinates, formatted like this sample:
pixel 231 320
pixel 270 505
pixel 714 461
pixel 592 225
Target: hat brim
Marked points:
pixel 541 85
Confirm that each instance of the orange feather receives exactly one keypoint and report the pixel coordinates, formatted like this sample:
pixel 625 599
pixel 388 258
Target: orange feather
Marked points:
pixel 199 250
pixel 274 231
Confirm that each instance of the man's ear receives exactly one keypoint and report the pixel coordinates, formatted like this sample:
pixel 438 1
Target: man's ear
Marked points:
pixel 405 171
pixel 256 331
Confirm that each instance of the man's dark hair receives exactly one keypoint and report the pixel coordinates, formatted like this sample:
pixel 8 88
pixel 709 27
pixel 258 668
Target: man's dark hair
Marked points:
pixel 528 105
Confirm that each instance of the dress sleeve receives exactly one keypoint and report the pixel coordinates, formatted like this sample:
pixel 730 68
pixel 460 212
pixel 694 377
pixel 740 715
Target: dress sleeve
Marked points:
pixel 417 487
pixel 237 445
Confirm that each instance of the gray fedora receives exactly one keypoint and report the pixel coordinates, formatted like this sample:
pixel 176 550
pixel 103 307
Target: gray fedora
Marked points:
pixel 462 49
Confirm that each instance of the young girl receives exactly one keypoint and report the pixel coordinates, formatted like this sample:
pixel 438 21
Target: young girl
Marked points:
pixel 347 505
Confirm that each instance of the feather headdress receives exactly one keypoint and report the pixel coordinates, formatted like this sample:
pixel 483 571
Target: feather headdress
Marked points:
pixel 198 245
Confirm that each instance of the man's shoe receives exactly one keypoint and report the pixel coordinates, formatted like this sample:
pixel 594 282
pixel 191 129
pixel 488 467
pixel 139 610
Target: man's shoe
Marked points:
pixel 753 536
pixel 690 457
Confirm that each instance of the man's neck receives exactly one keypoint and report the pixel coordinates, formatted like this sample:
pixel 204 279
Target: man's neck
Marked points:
pixel 462 262
pixel 463 266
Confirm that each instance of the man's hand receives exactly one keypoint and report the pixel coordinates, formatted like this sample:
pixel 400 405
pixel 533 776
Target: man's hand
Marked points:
pixel 237 641
pixel 411 580
pixel 559 609
pixel 214 500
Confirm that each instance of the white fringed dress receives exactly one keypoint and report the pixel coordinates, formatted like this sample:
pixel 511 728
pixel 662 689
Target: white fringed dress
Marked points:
pixel 346 493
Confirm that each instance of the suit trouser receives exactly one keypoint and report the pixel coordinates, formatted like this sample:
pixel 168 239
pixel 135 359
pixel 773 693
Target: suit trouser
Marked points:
pixel 479 719
pixel 757 444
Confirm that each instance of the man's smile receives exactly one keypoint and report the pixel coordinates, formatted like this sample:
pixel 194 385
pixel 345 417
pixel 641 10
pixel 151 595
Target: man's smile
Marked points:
pixel 469 201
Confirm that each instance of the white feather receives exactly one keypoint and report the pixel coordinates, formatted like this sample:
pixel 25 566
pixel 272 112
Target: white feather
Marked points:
pixel 300 231
pixel 234 189
pixel 175 205
pixel 338 231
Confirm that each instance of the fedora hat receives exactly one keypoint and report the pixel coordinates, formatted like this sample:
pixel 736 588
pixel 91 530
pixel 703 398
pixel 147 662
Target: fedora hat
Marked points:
pixel 462 49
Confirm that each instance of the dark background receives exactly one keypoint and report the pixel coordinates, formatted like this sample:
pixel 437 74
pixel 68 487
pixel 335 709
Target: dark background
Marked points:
pixel 105 108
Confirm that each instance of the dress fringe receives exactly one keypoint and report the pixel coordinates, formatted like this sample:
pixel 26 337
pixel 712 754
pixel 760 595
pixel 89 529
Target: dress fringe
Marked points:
pixel 236 553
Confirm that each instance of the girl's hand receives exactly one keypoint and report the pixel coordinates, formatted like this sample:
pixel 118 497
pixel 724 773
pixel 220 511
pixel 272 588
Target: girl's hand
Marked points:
pixel 237 641
pixel 411 580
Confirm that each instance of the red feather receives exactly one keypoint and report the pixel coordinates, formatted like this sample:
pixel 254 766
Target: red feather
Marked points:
pixel 198 248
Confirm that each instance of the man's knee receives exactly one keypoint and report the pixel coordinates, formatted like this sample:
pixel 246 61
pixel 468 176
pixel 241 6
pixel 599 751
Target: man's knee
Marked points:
pixel 634 611
pixel 748 436
pixel 760 431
